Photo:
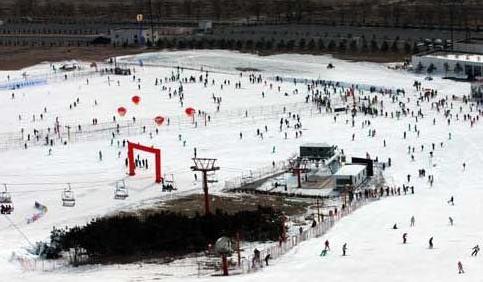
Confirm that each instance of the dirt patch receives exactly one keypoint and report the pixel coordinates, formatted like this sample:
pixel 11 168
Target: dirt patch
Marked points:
pixel 15 58
pixel 248 69
pixel 380 57
pixel 374 57
pixel 192 204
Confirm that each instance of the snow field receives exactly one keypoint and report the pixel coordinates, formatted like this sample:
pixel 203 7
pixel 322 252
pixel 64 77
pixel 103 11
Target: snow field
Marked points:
pixel 375 250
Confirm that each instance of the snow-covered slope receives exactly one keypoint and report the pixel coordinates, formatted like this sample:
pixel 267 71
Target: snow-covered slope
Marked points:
pixel 375 252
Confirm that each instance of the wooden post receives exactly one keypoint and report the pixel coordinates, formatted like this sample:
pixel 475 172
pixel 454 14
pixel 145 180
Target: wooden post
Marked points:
pixel 318 210
pixel 225 265
pixel 238 248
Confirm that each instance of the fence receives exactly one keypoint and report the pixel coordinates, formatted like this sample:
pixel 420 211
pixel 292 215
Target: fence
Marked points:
pixel 28 264
pixel 254 176
pixel 100 131
pixel 251 264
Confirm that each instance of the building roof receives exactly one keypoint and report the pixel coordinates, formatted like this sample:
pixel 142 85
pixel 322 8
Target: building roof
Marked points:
pixel 457 56
pixel 350 170
pixel 473 40
pixel 316 145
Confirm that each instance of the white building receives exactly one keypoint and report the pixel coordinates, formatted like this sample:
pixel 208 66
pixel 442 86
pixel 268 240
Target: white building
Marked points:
pixel 205 26
pixel 451 64
pixel 350 175
pixel 142 35
pixel 466 60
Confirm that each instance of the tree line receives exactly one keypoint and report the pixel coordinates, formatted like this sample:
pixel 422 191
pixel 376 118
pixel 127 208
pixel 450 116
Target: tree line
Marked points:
pixel 301 45
pixel 419 13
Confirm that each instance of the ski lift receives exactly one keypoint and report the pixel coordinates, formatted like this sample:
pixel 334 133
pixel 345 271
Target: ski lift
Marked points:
pixel 169 184
pixel 6 206
pixel 279 182
pixel 68 198
pixel 121 191
pixel 211 177
pixel 5 197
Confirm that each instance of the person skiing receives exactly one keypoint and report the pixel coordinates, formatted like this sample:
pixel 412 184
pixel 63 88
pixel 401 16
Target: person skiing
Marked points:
pixel 326 247
pixel 451 201
pixel 314 223
pixel 475 249
pixel 431 243
pixel 413 220
pixel 460 268
pixel 100 155
pixel 267 257
pixel 450 221
pixel 405 238
pixel 394 226
pixel 344 249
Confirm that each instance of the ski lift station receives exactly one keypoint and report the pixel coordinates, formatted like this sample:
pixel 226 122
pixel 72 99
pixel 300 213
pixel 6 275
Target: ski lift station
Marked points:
pixel 352 175
pixel 317 151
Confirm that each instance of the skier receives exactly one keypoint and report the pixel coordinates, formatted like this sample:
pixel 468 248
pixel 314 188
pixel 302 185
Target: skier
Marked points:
pixel 100 155
pixel 394 226
pixel 413 220
pixel 267 257
pixel 431 243
pixel 405 238
pixel 451 201
pixel 326 248
pixel 475 249
pixel 344 249
pixel 460 268
pixel 451 221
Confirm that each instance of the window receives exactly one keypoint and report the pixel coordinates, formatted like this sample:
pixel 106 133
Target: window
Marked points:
pixel 477 70
pixel 469 70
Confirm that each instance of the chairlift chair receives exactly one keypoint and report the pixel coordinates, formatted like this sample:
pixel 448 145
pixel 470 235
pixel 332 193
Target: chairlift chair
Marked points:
pixel 169 184
pixel 68 198
pixel 121 191
pixel 211 177
pixel 6 202
pixel 279 182
pixel 5 197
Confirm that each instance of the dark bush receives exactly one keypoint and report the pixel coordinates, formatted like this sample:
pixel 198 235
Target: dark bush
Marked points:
pixel 166 233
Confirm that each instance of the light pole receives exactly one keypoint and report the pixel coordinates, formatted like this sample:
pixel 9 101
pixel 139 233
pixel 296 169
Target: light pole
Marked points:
pixel 139 19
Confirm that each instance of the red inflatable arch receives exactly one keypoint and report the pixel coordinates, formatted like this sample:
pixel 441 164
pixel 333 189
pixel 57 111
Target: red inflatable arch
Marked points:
pixel 132 166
